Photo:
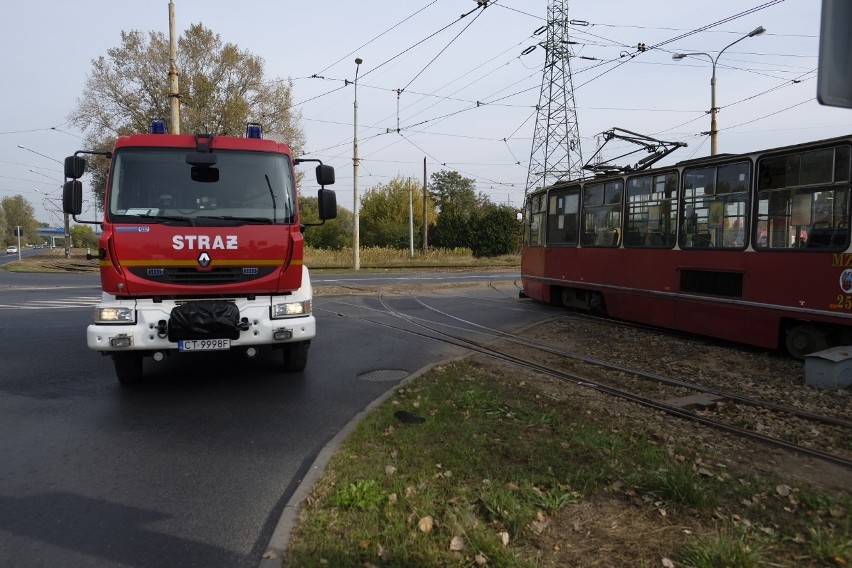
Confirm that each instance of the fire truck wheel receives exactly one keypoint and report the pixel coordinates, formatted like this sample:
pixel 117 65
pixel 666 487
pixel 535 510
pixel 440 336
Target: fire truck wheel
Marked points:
pixel 128 367
pixel 296 356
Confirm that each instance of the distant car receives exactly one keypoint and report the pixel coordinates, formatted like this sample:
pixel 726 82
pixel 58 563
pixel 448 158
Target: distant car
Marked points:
pixel 11 250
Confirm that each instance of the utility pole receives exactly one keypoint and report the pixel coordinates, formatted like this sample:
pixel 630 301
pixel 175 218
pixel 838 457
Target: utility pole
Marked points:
pixel 555 153
pixel 174 92
pixel 410 220
pixel 18 232
pixel 425 212
pixel 356 253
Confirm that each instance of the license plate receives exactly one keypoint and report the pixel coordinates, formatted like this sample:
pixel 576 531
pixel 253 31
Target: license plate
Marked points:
pixel 204 344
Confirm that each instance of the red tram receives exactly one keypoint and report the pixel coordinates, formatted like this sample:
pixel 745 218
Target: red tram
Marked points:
pixel 752 248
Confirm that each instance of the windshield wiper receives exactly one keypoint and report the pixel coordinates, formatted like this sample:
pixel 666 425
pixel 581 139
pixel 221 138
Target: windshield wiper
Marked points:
pixel 253 220
pixel 272 193
pixel 187 220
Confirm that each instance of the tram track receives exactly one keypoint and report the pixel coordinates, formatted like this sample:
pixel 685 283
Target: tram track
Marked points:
pixel 624 382
pixel 698 387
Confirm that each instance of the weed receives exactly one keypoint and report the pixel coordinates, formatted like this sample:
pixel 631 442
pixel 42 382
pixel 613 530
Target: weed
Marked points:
pixel 507 508
pixel 553 500
pixel 830 548
pixel 680 486
pixel 363 494
pixel 723 551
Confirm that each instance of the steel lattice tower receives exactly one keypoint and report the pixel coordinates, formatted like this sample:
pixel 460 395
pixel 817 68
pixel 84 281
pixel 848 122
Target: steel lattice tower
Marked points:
pixel 555 153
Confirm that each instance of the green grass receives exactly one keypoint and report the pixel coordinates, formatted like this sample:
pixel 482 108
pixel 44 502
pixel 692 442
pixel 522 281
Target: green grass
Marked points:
pixel 494 460
pixel 720 551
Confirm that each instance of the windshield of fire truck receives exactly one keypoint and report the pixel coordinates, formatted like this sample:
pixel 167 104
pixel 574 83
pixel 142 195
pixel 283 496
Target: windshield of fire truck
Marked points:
pixel 152 185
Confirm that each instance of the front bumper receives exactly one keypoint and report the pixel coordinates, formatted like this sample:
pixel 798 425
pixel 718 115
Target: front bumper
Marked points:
pixel 146 334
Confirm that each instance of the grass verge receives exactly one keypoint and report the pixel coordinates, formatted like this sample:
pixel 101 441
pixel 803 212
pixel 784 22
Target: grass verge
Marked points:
pixel 499 474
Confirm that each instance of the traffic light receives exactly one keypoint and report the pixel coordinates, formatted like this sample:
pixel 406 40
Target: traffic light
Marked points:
pixel 19 231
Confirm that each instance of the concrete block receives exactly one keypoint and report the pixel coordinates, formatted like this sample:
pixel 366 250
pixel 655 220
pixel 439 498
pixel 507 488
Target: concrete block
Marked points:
pixel 830 369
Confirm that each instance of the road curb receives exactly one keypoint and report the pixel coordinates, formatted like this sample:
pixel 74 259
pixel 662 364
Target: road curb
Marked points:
pixel 277 547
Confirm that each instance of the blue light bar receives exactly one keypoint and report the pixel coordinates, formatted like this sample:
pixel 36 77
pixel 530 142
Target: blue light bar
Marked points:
pixel 157 127
pixel 253 130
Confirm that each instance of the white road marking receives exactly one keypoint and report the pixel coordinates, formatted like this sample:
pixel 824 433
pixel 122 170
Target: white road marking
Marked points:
pixel 58 303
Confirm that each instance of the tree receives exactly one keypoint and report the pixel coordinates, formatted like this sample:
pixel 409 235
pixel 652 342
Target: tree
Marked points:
pixel 221 89
pixel 334 234
pixel 83 236
pixel 17 212
pixel 496 231
pixel 457 201
pixel 384 214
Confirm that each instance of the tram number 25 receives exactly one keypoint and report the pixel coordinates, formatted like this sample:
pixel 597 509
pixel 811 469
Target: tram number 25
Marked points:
pixel 844 302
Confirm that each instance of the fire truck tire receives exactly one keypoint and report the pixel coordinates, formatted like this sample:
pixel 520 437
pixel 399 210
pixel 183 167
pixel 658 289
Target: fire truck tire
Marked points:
pixel 296 356
pixel 128 367
pixel 804 339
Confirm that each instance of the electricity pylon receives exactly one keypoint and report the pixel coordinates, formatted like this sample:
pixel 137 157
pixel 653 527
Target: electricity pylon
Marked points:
pixel 555 153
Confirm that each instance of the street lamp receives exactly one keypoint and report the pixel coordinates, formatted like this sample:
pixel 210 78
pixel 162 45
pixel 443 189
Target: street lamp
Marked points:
pixel 39 153
pixel 678 56
pixel 356 260
pixel 67 223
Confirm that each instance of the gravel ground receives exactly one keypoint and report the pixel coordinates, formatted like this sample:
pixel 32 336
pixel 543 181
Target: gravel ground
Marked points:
pixel 755 373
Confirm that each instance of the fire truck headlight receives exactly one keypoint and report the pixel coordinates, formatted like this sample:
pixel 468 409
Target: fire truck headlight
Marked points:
pixel 291 309
pixel 114 315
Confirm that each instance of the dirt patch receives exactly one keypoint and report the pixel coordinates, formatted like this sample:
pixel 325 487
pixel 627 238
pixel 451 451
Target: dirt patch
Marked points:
pixel 606 531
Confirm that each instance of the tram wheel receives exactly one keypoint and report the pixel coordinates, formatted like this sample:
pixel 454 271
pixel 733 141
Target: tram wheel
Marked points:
pixel 804 339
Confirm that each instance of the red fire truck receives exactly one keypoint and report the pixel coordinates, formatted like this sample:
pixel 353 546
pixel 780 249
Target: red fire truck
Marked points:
pixel 201 248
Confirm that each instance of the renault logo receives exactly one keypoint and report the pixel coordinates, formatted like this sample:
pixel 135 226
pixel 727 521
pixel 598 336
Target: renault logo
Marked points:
pixel 204 259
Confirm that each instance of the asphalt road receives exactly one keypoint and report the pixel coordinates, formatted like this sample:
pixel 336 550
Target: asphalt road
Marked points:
pixel 194 466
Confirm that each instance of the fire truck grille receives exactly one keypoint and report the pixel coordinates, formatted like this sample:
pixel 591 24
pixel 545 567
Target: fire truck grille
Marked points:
pixel 194 277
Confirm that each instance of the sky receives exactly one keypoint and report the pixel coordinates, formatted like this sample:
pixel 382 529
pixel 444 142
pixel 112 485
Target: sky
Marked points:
pixel 460 93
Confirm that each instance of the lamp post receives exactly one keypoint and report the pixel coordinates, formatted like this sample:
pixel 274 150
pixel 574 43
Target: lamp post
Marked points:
pixel 356 254
pixel 714 132
pixel 67 224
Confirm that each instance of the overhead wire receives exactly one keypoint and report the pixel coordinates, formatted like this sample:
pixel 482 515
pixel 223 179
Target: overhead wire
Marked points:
pixel 393 27
pixel 682 36
pixel 486 101
pixel 808 100
pixel 431 61
pixel 430 36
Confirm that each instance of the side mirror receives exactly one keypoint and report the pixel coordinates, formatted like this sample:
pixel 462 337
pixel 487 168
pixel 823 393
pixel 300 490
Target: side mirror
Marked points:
pixel 325 176
pixel 75 166
pixel 72 196
pixel 327 201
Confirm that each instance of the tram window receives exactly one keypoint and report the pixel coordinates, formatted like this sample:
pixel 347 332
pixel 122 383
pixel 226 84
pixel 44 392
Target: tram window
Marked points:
pixel 699 182
pixel 827 165
pixel 715 206
pixel 810 211
pixel 536 210
pixel 812 219
pixel 651 211
pixel 816 167
pixel 733 178
pixel 563 217
pixel 602 214
pixel 841 164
